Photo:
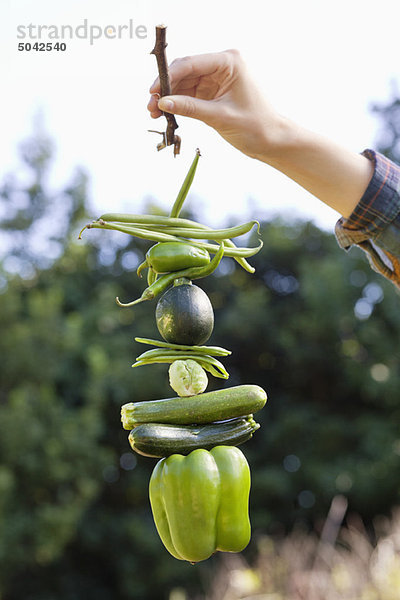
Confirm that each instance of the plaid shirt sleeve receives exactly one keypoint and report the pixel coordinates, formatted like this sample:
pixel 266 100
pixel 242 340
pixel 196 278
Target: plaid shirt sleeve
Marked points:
pixel 374 224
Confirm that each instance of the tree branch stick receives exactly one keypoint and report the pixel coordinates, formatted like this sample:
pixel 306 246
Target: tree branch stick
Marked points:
pixel 169 137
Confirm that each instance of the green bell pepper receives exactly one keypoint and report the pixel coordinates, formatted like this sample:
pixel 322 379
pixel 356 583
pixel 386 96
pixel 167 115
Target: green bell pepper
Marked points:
pixel 200 502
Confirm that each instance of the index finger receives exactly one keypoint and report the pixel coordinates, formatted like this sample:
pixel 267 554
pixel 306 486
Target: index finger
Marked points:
pixel 191 67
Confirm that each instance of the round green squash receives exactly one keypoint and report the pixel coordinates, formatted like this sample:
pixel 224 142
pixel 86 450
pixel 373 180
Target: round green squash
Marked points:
pixel 184 315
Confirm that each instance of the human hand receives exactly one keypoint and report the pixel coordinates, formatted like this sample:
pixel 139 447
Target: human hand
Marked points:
pixel 217 89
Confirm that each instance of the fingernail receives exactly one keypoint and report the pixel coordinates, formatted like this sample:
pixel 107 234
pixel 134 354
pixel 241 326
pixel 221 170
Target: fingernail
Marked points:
pixel 166 105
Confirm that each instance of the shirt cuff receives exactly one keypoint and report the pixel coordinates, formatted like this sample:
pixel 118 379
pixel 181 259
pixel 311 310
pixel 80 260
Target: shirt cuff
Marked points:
pixel 370 224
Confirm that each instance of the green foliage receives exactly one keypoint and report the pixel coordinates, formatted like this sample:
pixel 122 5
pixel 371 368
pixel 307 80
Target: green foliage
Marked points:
pixel 389 135
pixel 331 375
pixel 315 327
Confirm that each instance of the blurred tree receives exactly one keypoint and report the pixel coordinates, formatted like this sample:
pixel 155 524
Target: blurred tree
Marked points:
pixel 314 326
pixel 388 138
pixel 74 512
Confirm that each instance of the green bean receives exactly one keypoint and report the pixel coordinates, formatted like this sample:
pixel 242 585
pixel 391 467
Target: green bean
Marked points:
pixel 150 354
pixel 145 234
pixel 158 234
pixel 228 243
pixel 214 371
pixel 212 350
pixel 155 234
pixel 201 233
pixel 183 192
pixel 164 237
pixel 206 366
pixel 177 353
pixel 216 234
pixel 166 280
pixel 210 234
pixel 207 362
pixel 149 220
pixel 241 261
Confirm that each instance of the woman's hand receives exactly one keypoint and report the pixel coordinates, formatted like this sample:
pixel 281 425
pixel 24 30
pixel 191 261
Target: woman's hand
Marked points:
pixel 217 89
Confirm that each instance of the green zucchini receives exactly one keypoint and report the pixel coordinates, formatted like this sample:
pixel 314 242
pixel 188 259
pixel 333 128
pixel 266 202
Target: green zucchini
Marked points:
pixel 203 408
pixel 159 439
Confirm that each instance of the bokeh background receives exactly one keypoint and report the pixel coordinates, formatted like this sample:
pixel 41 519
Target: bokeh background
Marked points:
pixel 314 326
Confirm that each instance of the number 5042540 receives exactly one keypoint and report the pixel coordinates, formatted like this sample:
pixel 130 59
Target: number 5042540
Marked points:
pixel 42 46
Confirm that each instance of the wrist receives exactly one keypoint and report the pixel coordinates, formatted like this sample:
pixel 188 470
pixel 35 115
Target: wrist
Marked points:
pixel 278 141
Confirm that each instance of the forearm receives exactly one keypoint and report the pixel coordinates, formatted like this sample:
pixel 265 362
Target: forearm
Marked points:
pixel 217 89
pixel 335 175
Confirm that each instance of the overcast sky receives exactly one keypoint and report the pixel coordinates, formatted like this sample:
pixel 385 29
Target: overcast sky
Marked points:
pixel 319 63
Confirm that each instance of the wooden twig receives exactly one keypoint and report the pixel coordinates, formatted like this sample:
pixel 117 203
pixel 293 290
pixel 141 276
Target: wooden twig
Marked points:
pixel 169 137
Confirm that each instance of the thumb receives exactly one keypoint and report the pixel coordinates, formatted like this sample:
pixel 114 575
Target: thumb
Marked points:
pixel 188 107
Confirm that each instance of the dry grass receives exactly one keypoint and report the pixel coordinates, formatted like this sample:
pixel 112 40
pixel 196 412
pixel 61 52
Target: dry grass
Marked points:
pixel 340 564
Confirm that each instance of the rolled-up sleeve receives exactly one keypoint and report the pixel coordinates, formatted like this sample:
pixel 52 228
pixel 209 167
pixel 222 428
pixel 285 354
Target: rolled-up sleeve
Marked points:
pixel 374 224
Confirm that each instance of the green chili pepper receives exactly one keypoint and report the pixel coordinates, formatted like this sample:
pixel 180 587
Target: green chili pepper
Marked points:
pixel 141 268
pixel 200 502
pixel 151 277
pixel 168 279
pixel 174 256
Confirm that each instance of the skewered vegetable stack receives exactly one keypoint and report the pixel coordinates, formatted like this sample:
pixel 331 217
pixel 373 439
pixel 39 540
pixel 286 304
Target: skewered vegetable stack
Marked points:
pixel 199 490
